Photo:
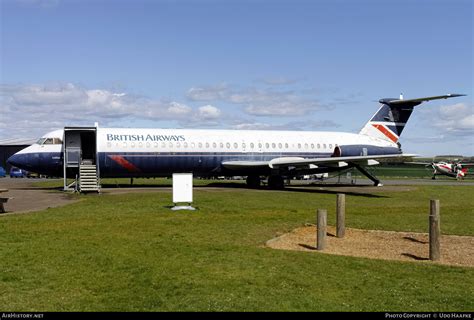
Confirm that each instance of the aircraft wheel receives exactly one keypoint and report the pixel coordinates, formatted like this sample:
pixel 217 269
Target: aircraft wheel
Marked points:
pixel 253 181
pixel 276 182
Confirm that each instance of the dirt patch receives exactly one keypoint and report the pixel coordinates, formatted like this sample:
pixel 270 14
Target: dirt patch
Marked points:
pixel 386 245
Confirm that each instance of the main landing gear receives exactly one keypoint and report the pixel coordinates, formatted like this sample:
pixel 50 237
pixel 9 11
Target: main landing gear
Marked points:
pixel 253 182
pixel 274 182
pixel 374 179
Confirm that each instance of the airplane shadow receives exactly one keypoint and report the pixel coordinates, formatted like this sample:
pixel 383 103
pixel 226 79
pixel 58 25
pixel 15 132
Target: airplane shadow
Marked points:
pixel 242 186
pixel 133 186
pixel 322 191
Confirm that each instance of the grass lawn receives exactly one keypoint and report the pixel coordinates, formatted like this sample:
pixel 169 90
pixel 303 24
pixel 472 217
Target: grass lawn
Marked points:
pixel 131 253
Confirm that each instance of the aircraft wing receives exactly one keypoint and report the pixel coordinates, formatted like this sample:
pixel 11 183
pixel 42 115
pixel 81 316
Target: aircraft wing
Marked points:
pixel 309 162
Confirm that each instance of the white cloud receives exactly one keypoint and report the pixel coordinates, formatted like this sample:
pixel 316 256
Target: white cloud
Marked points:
pixel 179 109
pixel 292 125
pixel 31 110
pixel 258 101
pixel 209 112
pixel 456 119
pixel 208 93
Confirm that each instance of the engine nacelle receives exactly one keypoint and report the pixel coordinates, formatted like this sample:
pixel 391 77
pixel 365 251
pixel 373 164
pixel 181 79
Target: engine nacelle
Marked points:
pixel 363 150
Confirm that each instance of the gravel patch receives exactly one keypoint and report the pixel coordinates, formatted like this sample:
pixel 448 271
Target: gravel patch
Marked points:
pixel 375 244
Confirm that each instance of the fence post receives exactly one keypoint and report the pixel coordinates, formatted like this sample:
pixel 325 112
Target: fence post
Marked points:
pixel 321 235
pixel 341 215
pixel 434 230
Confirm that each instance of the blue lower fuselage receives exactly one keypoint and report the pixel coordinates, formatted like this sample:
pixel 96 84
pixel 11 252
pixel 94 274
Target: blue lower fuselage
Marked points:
pixel 155 164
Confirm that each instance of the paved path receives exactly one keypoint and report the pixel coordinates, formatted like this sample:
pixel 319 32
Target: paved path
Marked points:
pixel 27 198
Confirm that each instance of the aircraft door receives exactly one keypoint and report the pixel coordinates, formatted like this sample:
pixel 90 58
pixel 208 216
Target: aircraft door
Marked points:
pixel 72 145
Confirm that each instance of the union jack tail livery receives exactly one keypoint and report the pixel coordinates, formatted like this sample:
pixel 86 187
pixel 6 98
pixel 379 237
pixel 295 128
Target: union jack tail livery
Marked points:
pixel 390 120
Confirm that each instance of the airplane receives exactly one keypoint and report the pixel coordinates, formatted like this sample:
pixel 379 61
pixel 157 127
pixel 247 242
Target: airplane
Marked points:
pixel 456 170
pixel 141 152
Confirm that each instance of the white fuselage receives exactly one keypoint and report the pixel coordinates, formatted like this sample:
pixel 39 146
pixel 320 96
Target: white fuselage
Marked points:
pixel 135 152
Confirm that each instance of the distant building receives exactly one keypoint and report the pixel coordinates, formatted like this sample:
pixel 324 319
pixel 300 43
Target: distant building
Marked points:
pixel 9 147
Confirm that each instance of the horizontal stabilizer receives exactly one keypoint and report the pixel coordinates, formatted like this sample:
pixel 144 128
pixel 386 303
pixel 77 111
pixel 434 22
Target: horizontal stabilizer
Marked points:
pixel 419 100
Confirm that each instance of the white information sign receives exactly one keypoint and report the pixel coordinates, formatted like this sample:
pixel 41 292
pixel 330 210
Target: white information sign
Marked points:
pixel 182 187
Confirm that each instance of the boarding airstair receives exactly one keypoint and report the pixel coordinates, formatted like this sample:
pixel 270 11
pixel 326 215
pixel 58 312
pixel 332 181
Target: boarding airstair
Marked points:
pixel 88 180
pixel 80 159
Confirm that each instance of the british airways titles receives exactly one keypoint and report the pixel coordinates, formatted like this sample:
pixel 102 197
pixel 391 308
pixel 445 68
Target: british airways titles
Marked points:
pixel 143 137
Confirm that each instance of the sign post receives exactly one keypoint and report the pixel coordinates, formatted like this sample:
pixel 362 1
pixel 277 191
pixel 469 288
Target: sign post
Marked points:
pixel 182 191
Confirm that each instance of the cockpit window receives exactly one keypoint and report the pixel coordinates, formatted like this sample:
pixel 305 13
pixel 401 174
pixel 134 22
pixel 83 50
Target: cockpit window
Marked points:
pixel 48 141
pixel 42 141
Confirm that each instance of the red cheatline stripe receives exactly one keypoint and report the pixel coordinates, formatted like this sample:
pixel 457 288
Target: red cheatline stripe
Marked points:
pixel 124 163
pixel 386 132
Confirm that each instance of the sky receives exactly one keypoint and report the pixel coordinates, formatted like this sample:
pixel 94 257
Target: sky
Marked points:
pixel 266 65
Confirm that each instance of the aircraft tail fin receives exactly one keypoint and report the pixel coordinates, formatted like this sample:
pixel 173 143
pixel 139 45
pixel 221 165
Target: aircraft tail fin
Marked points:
pixel 390 120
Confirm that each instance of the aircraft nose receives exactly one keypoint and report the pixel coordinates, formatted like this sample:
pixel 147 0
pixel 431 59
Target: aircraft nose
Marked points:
pixel 18 160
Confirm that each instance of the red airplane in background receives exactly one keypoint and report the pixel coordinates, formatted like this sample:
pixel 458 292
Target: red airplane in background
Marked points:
pixel 456 170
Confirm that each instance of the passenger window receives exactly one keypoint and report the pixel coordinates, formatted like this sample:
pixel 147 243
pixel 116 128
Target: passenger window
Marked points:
pixel 267 145
pixel 200 145
pixel 214 145
pixel 306 146
pixel 330 146
pixel 221 145
pixel 273 146
pixel 299 145
pixel 171 144
pixel 319 146
pixel 286 145
pixel 243 145
pixel 163 145
pixel 227 145
pixel 280 145
pixel 207 145
pixel 235 145
pixel 260 145
pixel 178 144
pixel 252 145
pixel 324 145
pixel 312 146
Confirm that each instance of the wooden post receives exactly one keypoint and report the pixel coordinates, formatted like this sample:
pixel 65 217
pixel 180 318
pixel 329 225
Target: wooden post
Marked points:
pixel 341 215
pixel 321 235
pixel 435 232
